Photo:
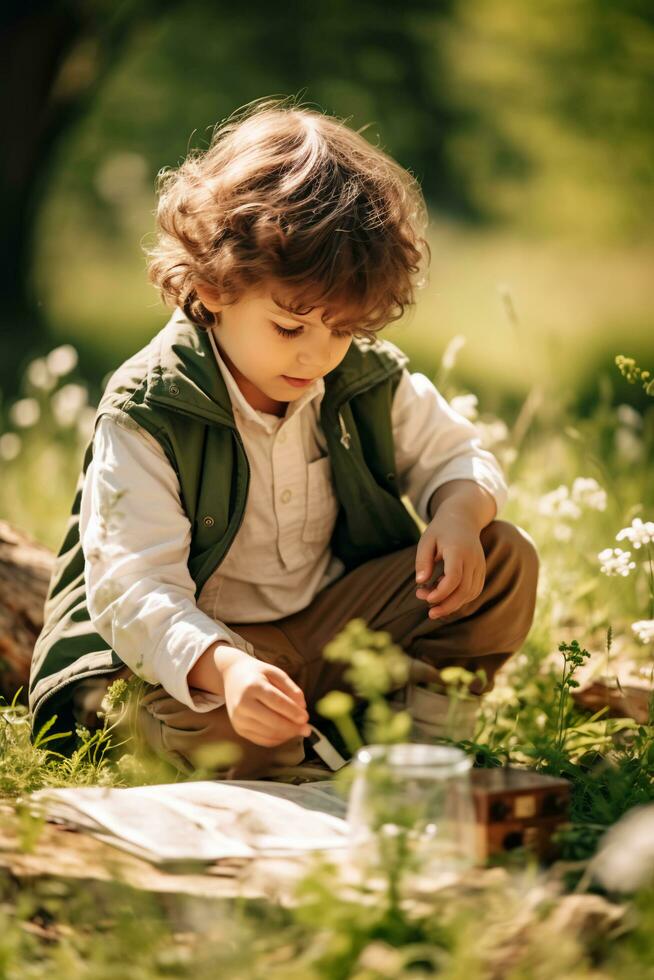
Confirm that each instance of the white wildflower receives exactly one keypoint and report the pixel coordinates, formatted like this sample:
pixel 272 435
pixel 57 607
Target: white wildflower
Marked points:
pixel 644 630
pixel 25 412
pixel 562 532
pixel 587 492
pixel 615 561
pixel 624 861
pixel 466 405
pixel 62 360
pixel 10 445
pixel 507 455
pixel 39 376
pixel 67 403
pixel 492 432
pixel 448 359
pixel 629 416
pixel 557 503
pixel 638 534
pixel 628 446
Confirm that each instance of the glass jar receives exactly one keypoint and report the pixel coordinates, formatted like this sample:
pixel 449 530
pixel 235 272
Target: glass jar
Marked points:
pixel 410 811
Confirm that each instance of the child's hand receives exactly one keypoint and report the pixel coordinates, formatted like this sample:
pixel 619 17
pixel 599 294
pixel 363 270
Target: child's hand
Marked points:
pixel 263 703
pixel 457 543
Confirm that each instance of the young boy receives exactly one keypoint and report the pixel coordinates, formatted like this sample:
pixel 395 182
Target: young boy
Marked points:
pixel 240 500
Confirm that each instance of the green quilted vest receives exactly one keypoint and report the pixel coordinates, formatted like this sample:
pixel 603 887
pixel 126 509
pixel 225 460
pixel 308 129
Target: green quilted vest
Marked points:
pixel 174 389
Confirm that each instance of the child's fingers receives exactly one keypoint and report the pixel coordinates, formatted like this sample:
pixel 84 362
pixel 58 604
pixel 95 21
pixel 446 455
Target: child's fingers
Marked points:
pixel 425 550
pixel 428 552
pixel 278 701
pixel 455 600
pixel 271 725
pixel 424 590
pixel 280 679
pixel 450 581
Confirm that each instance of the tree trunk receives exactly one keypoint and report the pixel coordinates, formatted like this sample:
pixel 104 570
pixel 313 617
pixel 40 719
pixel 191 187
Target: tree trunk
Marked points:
pixel 54 57
pixel 25 568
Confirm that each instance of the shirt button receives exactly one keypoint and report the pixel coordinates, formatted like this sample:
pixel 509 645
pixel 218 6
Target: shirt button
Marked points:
pixel 286 496
pixel 208 521
pixel 281 437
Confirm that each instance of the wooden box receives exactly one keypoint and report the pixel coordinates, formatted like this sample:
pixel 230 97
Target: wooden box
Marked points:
pixel 517 808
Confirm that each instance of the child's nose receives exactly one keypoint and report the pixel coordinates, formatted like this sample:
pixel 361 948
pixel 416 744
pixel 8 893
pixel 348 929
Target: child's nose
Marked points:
pixel 313 368
pixel 318 347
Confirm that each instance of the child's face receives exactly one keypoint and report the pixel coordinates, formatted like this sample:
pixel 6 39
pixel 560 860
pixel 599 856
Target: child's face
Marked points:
pixel 261 359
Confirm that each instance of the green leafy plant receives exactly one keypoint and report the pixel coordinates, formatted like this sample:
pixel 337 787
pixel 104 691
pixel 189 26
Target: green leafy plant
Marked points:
pixel 634 374
pixel 376 667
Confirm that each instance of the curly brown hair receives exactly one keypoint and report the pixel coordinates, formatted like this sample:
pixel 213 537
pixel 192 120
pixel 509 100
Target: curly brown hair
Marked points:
pixel 289 195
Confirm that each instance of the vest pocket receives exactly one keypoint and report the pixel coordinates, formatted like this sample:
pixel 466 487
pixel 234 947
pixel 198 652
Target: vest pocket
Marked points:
pixel 322 505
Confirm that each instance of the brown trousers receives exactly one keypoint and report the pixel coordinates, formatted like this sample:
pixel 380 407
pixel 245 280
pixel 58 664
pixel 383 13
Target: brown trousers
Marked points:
pixel 483 633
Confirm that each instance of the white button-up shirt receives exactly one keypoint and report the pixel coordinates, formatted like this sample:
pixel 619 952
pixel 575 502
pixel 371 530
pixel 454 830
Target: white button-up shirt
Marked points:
pixel 140 594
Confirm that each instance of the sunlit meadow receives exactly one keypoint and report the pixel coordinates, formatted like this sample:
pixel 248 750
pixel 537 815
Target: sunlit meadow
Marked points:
pixel 582 487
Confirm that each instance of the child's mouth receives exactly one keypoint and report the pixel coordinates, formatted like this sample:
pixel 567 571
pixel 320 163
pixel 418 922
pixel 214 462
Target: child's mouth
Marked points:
pixel 297 382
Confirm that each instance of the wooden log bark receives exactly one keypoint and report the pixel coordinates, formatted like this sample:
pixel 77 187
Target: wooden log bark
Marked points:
pixel 624 700
pixel 25 569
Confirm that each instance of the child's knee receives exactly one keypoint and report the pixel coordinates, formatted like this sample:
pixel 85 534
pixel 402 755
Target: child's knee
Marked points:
pixel 512 545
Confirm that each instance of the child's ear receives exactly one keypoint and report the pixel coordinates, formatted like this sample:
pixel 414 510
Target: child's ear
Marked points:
pixel 210 297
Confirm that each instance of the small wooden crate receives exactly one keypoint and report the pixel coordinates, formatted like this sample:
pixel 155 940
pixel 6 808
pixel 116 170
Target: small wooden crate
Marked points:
pixel 517 808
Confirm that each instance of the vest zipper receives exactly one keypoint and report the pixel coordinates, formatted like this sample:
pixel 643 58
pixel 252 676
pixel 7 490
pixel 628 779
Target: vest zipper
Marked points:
pixel 346 438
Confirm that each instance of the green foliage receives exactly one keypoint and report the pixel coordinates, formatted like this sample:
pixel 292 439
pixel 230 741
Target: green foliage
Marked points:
pixel 100 757
pixel 630 370
pixel 377 666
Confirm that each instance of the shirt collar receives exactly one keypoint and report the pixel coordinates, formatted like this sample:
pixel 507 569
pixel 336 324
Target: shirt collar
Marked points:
pixel 315 390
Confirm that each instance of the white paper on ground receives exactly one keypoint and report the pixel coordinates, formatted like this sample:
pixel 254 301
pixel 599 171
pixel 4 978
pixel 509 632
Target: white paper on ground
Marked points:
pixel 204 821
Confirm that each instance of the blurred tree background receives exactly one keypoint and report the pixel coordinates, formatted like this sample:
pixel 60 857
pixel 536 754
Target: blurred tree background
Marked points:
pixel 528 126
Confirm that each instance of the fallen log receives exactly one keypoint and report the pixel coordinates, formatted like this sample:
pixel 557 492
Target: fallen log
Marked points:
pixel 25 569
pixel 622 700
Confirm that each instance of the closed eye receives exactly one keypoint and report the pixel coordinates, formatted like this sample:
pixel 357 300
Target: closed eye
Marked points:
pixel 287 333
pixel 296 333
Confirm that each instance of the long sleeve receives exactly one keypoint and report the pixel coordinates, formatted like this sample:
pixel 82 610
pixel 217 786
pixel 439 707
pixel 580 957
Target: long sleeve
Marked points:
pixel 135 537
pixel 435 444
